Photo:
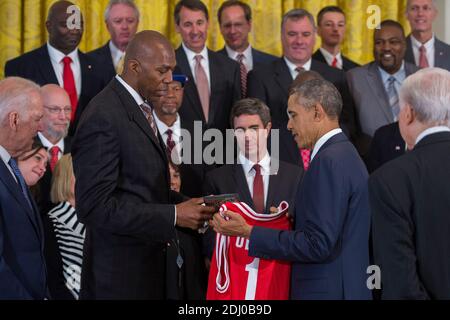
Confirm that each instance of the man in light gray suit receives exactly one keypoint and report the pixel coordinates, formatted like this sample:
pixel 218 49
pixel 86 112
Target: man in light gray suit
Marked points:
pixel 422 47
pixel 375 86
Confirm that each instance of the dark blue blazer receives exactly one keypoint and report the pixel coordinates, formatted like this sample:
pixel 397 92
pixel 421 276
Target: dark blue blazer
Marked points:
pixel 22 264
pixel 259 58
pixel 329 246
pixel 103 56
pixel 37 66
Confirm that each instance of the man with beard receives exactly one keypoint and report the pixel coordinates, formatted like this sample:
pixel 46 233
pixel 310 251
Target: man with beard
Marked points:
pixel 375 86
pixel 60 62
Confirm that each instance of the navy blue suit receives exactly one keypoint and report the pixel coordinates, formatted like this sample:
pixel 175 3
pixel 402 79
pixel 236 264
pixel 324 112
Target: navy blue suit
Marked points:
pixel 329 246
pixel 22 264
pixel 259 58
pixel 103 56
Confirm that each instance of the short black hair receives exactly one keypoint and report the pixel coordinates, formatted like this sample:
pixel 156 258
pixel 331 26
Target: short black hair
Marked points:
pixel 326 10
pixel 391 23
pixel 195 5
pixel 232 3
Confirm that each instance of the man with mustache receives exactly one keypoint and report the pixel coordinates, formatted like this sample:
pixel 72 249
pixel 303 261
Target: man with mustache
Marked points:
pixel 375 86
pixel 59 61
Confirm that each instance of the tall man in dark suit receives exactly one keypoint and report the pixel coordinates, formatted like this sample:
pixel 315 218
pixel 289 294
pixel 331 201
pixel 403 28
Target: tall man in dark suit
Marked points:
pixel 424 49
pixel 214 84
pixel 60 62
pixel 329 245
pixel 22 264
pixel 331 29
pixel 122 180
pixel 252 124
pixel 235 20
pixel 271 83
pixel 410 198
pixel 122 21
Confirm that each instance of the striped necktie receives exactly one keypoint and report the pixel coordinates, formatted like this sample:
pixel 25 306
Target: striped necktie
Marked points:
pixel 148 112
pixel 243 70
pixel 393 97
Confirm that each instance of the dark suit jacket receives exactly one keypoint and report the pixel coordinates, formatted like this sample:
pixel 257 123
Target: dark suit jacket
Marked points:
pixel 441 53
pixel 103 56
pixel 123 197
pixel 22 264
pixel 347 64
pixel 387 144
pixel 271 85
pixel 329 246
pixel 37 66
pixel 225 90
pixel 259 58
pixel 231 179
pixel 410 202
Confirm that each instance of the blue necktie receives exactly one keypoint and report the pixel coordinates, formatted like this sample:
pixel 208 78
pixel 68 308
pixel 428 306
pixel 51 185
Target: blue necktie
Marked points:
pixel 393 98
pixel 12 163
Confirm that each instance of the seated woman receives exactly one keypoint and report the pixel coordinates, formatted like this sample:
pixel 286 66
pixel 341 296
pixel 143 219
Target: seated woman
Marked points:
pixel 69 231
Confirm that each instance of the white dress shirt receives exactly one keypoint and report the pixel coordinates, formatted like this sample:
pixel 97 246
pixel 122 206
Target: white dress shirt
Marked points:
pixel 56 57
pixel 292 66
pixel 176 131
pixel 430 131
pixel 116 54
pixel 248 57
pixel 429 46
pixel 249 172
pixel 50 145
pixel 204 62
pixel 329 58
pixel 327 136
pixel 6 157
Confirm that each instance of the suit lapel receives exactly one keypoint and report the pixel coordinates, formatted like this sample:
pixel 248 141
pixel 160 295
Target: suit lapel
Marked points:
pixel 215 76
pixel 409 55
pixel 375 84
pixel 242 185
pixel 46 67
pixel 440 57
pixel 283 76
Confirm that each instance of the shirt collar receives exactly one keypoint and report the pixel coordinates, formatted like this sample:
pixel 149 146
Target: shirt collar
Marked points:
pixel 429 45
pixel 46 143
pixel 191 54
pixel 329 57
pixel 233 54
pixel 162 127
pixel 327 136
pixel 248 165
pixel 430 131
pixel 399 75
pixel 57 56
pixel 292 66
pixel 136 96
pixel 4 155
pixel 116 53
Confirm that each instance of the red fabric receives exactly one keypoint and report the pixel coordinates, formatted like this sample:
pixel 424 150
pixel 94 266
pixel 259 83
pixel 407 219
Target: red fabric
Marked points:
pixel 54 153
pixel 334 63
pixel 423 60
pixel 69 85
pixel 306 156
pixel 243 277
pixel 258 189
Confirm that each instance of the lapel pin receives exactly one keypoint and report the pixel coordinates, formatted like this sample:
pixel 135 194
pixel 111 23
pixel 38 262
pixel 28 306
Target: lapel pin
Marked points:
pixel 89 66
pixel 397 148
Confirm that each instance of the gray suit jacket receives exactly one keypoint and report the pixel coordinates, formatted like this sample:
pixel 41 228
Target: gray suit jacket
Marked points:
pixel 370 97
pixel 441 53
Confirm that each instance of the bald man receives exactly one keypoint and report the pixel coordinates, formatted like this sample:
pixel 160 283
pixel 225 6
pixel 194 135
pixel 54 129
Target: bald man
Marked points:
pixel 60 62
pixel 122 181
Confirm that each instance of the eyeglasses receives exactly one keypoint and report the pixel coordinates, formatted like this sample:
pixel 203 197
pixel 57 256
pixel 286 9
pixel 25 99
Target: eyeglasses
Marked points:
pixel 57 110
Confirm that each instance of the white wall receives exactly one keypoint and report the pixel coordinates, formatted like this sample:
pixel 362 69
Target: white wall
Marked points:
pixel 442 24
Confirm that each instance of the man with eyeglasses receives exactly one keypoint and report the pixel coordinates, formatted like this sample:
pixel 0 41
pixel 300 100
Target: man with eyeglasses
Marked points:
pixel 423 48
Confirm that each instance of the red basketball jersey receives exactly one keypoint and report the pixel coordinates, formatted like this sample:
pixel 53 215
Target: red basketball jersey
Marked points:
pixel 234 275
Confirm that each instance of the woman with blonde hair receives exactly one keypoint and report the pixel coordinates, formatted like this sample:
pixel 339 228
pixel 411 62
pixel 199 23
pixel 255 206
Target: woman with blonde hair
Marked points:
pixel 69 231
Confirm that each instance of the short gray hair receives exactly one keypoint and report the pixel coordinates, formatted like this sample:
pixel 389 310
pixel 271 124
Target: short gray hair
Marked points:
pixel 428 93
pixel 319 91
pixel 129 3
pixel 251 106
pixel 16 95
pixel 297 14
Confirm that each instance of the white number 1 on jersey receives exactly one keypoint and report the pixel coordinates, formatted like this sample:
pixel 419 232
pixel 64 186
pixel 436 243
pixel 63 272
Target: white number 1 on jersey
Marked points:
pixel 252 279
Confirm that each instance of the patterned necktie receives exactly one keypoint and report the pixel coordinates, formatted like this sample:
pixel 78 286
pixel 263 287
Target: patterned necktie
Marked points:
pixel 69 85
pixel 306 157
pixel 148 112
pixel 423 61
pixel 202 85
pixel 170 144
pixel 120 64
pixel 23 186
pixel 393 97
pixel 334 63
pixel 243 69
pixel 54 153
pixel 258 190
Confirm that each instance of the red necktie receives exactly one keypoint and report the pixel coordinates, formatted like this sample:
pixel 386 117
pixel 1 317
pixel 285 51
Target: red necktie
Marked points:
pixel 54 152
pixel 423 61
pixel 69 85
pixel 243 69
pixel 334 63
pixel 306 155
pixel 258 190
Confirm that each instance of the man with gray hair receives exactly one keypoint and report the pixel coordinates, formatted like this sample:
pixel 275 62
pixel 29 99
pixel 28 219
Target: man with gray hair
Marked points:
pixel 122 20
pixel 329 245
pixel 271 83
pixel 410 198
pixel 22 264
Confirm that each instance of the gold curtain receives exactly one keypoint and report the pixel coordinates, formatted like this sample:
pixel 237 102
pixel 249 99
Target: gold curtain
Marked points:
pixel 22 23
